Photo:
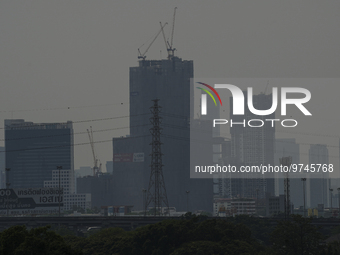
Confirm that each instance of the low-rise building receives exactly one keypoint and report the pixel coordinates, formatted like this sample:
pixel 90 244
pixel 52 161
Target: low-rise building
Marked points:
pixel 224 207
pixel 71 199
pixel 100 187
pixel 275 205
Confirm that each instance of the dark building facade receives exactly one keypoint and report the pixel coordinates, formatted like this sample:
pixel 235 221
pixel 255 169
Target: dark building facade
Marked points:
pixel 169 81
pixel 100 187
pixel 33 150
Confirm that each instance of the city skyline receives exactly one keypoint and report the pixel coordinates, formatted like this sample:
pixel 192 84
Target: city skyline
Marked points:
pixel 169 127
pixel 69 61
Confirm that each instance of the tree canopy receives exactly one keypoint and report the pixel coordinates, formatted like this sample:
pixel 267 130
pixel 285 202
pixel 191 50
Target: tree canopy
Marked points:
pixel 18 240
pixel 189 234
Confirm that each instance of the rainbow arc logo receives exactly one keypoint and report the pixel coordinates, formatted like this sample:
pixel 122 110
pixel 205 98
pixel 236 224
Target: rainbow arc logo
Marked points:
pixel 209 93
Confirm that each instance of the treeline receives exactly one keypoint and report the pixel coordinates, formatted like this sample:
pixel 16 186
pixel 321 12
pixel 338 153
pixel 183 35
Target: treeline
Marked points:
pixel 189 235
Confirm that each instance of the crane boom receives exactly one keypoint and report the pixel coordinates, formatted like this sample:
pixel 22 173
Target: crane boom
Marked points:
pixel 95 160
pixel 166 45
pixel 171 50
pixel 173 27
pixel 142 55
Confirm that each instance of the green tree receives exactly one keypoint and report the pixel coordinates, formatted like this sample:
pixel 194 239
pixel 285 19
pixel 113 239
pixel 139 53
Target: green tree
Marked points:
pixel 195 235
pixel 11 238
pixel 332 248
pixel 38 241
pixel 296 236
pixel 260 227
pixel 101 242
pixel 63 231
pixel 187 235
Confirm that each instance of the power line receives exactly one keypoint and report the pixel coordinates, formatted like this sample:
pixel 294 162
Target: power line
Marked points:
pixel 165 125
pixel 76 122
pixel 78 133
pixel 165 135
pixel 174 116
pixel 72 145
pixel 60 108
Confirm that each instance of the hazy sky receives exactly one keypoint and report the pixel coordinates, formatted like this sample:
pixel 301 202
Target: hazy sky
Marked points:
pixel 69 60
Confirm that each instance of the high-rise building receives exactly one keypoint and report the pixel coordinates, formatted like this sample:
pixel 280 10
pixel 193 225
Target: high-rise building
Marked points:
pixel 34 150
pixel 319 185
pixel 253 146
pixel 222 181
pixel 169 81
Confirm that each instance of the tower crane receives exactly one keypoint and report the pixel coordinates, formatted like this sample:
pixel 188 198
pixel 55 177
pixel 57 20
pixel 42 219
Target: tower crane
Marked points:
pixel 95 168
pixel 170 49
pixel 142 55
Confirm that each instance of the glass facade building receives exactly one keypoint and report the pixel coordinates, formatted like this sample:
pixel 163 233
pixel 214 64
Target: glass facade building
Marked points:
pixel 34 150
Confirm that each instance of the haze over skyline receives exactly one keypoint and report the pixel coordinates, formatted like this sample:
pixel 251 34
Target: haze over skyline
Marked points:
pixel 69 60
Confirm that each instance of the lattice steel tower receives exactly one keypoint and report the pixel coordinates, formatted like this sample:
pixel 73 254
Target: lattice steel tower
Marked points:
pixel 156 191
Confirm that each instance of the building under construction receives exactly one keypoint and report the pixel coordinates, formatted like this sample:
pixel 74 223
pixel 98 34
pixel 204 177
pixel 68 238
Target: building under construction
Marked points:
pixel 137 173
pixel 169 81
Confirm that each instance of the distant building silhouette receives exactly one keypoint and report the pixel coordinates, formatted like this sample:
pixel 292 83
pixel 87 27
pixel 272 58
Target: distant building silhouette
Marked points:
pixel 222 156
pixel 285 148
pixel 275 205
pixel 253 146
pixel 319 185
pixel 100 187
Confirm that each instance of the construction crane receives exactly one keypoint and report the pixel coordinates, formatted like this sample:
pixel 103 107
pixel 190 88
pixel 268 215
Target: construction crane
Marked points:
pixel 95 168
pixel 142 55
pixel 170 49
pixel 166 44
